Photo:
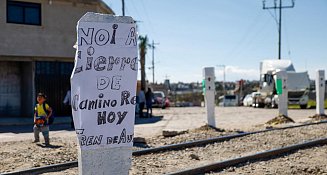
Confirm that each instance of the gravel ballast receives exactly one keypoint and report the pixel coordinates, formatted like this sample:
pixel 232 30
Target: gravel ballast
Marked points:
pixel 178 160
pixel 27 155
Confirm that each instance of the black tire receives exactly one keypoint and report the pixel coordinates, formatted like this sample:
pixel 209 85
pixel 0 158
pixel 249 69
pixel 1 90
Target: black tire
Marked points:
pixel 261 105
pixel 303 106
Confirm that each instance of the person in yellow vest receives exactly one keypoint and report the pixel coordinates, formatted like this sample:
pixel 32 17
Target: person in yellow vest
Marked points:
pixel 42 112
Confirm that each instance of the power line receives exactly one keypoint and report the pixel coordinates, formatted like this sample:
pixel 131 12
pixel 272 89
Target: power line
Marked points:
pixel 143 17
pixel 148 19
pixel 288 43
pixel 280 7
pixel 256 35
pixel 244 38
pixel 274 17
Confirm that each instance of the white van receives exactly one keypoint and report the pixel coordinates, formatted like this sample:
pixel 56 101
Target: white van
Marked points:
pixel 228 100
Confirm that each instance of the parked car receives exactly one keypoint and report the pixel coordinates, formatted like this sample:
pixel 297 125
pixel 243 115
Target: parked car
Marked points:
pixel 248 100
pixel 159 99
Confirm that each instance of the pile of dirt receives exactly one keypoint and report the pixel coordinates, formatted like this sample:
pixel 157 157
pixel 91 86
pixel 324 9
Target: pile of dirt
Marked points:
pixel 281 119
pixel 203 132
pixel 319 117
pixel 207 128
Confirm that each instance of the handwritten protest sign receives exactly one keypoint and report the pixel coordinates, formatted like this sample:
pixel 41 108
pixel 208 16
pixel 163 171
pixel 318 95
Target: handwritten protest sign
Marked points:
pixel 104 83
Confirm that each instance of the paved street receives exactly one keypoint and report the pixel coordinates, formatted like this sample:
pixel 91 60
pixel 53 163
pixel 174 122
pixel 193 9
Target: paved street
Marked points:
pixel 238 118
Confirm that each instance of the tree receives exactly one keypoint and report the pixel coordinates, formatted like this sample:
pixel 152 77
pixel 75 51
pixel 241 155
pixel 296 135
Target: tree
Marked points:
pixel 143 45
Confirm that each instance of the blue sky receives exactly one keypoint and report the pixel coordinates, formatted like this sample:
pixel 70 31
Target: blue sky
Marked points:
pixel 236 33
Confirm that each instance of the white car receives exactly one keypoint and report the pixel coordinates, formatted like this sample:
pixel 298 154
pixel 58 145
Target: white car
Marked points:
pixel 248 100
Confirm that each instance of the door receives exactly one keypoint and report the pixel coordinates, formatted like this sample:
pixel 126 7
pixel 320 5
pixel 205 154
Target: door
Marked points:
pixel 53 79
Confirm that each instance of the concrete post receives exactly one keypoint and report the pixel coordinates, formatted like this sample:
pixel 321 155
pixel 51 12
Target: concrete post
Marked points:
pixel 104 161
pixel 320 92
pixel 209 94
pixel 281 87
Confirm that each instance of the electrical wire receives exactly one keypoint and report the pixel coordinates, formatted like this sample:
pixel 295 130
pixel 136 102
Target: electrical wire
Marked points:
pixel 274 17
pixel 287 40
pixel 248 37
pixel 148 18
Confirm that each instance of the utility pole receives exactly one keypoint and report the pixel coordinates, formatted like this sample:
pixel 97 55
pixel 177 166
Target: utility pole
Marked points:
pixel 153 47
pixel 123 6
pixel 280 7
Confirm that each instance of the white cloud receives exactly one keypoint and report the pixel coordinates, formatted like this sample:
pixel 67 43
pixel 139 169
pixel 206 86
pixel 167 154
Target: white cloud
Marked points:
pixel 234 73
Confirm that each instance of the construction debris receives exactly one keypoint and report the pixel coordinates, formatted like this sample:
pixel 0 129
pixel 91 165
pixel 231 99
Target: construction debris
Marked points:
pixel 208 128
pixel 319 117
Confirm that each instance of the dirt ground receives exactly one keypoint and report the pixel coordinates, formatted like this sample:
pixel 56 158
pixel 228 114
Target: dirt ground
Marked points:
pixel 18 152
pixel 228 118
pixel 307 161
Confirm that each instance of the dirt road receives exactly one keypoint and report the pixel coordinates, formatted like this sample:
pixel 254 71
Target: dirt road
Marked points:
pixel 18 151
pixel 230 118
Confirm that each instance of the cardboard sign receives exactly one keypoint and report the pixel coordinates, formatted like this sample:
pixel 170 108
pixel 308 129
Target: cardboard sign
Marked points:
pixel 103 83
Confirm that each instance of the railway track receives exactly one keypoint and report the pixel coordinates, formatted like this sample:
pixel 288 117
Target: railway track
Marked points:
pixel 220 165
pixel 202 143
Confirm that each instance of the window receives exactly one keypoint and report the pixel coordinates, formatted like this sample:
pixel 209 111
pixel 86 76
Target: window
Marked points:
pixel 23 13
pixel 54 68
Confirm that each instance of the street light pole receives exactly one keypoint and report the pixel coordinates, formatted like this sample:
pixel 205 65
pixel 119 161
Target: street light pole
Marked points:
pixel 153 61
pixel 153 47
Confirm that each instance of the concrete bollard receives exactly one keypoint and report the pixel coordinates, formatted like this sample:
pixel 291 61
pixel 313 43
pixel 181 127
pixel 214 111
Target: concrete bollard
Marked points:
pixel 320 92
pixel 103 88
pixel 209 94
pixel 281 87
pixel 104 161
